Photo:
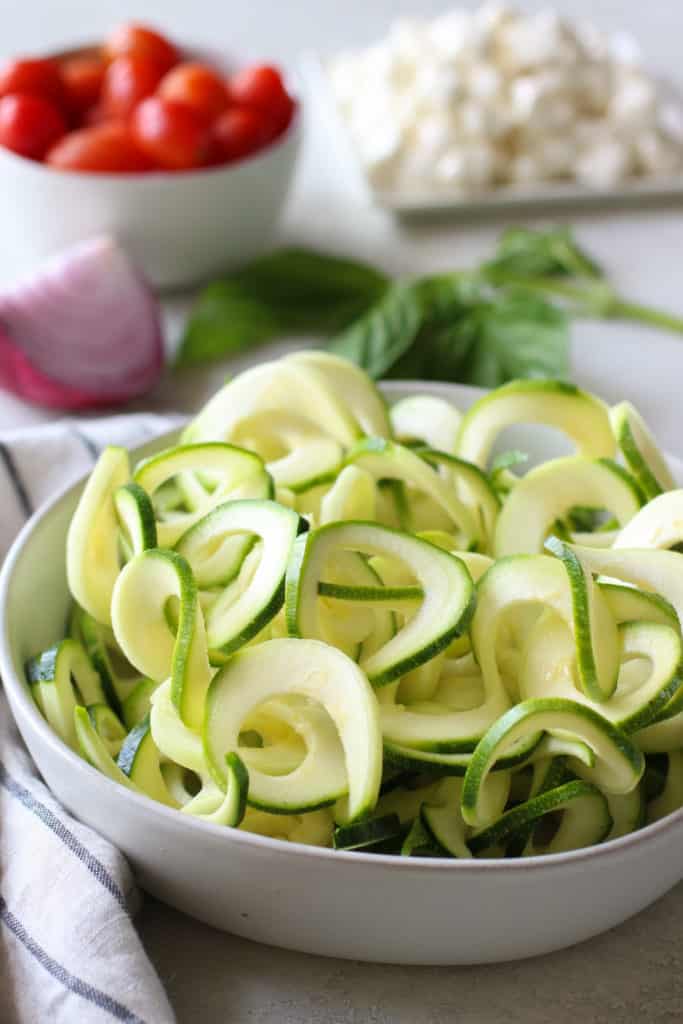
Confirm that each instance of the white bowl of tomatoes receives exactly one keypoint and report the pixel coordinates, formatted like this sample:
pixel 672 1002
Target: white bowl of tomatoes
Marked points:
pixel 185 159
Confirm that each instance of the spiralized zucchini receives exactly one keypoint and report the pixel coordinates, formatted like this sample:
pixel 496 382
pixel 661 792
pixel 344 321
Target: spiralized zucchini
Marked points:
pixel 329 622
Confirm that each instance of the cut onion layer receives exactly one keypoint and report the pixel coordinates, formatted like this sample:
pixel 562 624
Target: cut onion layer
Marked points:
pixel 85 331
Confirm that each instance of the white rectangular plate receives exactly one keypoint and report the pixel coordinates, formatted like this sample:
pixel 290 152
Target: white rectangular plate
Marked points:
pixel 634 192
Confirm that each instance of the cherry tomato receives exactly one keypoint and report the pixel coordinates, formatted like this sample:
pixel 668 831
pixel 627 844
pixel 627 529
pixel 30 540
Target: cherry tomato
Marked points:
pixel 97 115
pixel 138 40
pixel 82 78
pixel 214 153
pixel 29 125
pixel 34 77
pixel 240 131
pixel 170 133
pixel 109 147
pixel 262 87
pixel 198 87
pixel 129 80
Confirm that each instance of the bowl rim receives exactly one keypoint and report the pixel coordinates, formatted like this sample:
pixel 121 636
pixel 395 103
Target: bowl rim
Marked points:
pixel 161 178
pixel 12 682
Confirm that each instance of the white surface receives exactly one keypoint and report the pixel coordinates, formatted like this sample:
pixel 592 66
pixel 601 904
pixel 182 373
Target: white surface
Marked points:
pixel 631 975
pixel 398 910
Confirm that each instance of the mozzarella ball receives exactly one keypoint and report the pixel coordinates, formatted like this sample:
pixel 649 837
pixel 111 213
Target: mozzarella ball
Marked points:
pixel 657 155
pixel 605 164
pixel 531 42
pixel 633 104
pixel 471 166
pixel 670 122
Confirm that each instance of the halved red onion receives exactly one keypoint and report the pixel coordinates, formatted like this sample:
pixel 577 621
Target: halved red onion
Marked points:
pixel 85 331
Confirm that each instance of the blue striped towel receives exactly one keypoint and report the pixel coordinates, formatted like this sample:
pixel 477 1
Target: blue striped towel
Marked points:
pixel 69 951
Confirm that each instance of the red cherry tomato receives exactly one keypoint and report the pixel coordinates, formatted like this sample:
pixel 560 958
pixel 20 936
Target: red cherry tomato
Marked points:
pixel 214 154
pixel 262 87
pixel 82 78
pixel 198 87
pixel 29 125
pixel 140 41
pixel 107 148
pixel 240 131
pixel 127 81
pixel 170 133
pixel 97 115
pixel 34 77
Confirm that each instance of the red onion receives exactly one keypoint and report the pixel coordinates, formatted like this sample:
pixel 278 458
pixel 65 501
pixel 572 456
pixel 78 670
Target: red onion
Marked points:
pixel 85 331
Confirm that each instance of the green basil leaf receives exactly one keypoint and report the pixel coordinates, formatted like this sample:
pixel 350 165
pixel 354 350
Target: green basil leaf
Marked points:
pixel 552 253
pixel 520 335
pixel 448 330
pixel 445 296
pixel 291 290
pixel 224 320
pixel 379 339
pixel 445 328
pixel 441 352
pixel 308 289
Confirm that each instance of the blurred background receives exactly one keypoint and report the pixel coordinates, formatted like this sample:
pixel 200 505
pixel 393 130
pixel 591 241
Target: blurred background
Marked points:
pixel 282 30
pixel 327 207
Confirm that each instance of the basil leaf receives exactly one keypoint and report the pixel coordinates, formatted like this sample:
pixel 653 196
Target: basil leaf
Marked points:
pixel 307 289
pixel 284 292
pixel 443 328
pixel 520 335
pixel 447 295
pixel 472 336
pixel 224 320
pixel 447 332
pixel 488 343
pixel 441 352
pixel 552 253
pixel 379 339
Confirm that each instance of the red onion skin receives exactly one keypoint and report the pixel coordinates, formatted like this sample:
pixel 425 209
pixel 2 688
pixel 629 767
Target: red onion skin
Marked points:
pixel 21 375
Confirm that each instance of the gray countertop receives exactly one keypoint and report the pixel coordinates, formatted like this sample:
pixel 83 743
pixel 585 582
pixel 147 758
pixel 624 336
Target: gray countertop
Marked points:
pixel 633 973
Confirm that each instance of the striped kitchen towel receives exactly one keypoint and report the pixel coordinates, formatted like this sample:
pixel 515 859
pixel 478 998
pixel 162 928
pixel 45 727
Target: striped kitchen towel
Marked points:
pixel 69 951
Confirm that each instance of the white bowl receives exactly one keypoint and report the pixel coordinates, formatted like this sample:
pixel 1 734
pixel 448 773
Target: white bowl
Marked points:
pixel 180 228
pixel 354 905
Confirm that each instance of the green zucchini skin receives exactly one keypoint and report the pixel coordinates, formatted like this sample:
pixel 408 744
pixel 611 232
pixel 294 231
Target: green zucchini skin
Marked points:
pixel 336 623
pixel 303 579
pixel 367 833
pixel 530 812
pixel 135 513
pixel 60 679
pixel 624 761
pixel 140 760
